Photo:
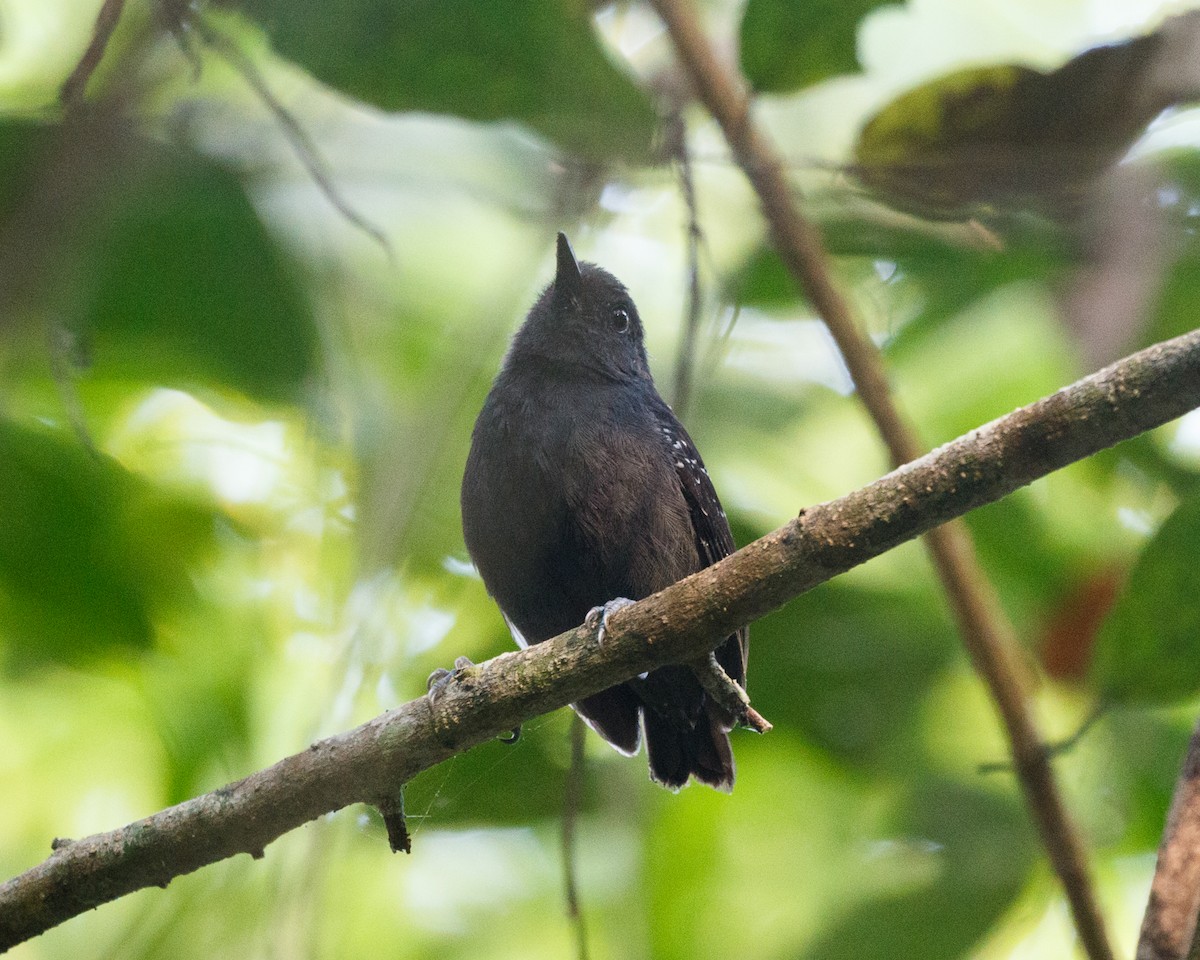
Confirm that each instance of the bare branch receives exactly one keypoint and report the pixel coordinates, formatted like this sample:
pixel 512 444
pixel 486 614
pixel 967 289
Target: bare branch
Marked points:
pixel 685 361
pixel 986 633
pixel 73 88
pixel 675 626
pixel 1169 927
pixel 296 136
pixel 572 800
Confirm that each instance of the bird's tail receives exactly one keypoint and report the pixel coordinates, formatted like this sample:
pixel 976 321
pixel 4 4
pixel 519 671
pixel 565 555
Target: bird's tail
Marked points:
pixel 677 752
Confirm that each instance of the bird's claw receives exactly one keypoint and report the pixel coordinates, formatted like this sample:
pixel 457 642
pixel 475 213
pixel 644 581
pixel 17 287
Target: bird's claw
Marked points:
pixel 441 677
pixel 597 618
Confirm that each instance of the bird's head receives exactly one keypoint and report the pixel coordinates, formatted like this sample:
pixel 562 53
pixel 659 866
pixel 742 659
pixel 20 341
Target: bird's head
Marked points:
pixel 584 324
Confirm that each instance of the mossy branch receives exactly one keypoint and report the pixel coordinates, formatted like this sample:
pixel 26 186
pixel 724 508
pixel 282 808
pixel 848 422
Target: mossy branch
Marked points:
pixel 368 763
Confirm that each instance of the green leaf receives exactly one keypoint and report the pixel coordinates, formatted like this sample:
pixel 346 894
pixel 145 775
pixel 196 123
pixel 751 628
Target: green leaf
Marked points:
pixel 536 61
pixel 944 274
pixel 764 282
pixel 190 290
pixel 166 274
pixel 88 552
pixel 1016 545
pixel 979 851
pixel 1009 136
pixel 848 668
pixel 1148 650
pixel 202 705
pixel 788 44
pixel 1131 763
pixel 23 148
pixel 1177 203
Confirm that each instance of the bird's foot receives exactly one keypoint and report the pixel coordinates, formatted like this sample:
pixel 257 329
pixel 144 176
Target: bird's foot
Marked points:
pixel 441 678
pixel 597 618
pixel 728 694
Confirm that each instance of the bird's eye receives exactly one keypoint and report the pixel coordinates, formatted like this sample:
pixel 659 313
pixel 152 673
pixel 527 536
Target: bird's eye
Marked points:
pixel 620 319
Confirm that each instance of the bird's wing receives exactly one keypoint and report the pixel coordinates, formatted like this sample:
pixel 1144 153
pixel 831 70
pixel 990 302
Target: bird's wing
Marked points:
pixel 714 539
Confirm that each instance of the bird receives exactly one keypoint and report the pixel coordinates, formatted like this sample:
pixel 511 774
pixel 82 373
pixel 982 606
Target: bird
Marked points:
pixel 581 491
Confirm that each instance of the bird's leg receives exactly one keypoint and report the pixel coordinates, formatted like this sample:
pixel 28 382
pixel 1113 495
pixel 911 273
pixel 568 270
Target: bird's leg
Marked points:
pixel 597 618
pixel 728 694
pixel 441 678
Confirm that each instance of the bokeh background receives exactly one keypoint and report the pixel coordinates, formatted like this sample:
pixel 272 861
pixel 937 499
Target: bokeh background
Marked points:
pixel 251 299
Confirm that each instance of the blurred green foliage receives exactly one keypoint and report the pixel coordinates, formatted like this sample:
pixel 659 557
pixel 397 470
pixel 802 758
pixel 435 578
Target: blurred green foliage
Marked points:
pixel 176 280
pixel 232 427
pixel 1147 648
pixel 88 551
pixel 1009 136
pixel 786 45
pixel 530 60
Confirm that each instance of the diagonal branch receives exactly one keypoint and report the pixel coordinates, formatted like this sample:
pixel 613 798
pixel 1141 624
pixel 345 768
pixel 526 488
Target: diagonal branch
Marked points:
pixel 72 90
pixel 685 360
pixel 367 764
pixel 296 136
pixel 986 633
pixel 1169 926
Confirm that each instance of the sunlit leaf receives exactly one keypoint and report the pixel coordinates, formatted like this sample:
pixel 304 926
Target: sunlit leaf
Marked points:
pixel 536 61
pixel 787 44
pixel 1010 136
pixel 202 699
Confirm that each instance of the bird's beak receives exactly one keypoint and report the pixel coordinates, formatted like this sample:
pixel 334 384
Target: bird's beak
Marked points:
pixel 568 281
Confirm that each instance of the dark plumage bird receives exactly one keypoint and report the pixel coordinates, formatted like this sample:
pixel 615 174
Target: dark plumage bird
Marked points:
pixel 581 487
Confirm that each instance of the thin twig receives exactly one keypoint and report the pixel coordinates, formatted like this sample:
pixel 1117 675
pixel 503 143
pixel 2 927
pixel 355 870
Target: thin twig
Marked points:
pixel 685 361
pixel 1060 747
pixel 986 633
pixel 1169 926
pixel 297 137
pixel 728 694
pixel 676 625
pixel 572 800
pixel 71 92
